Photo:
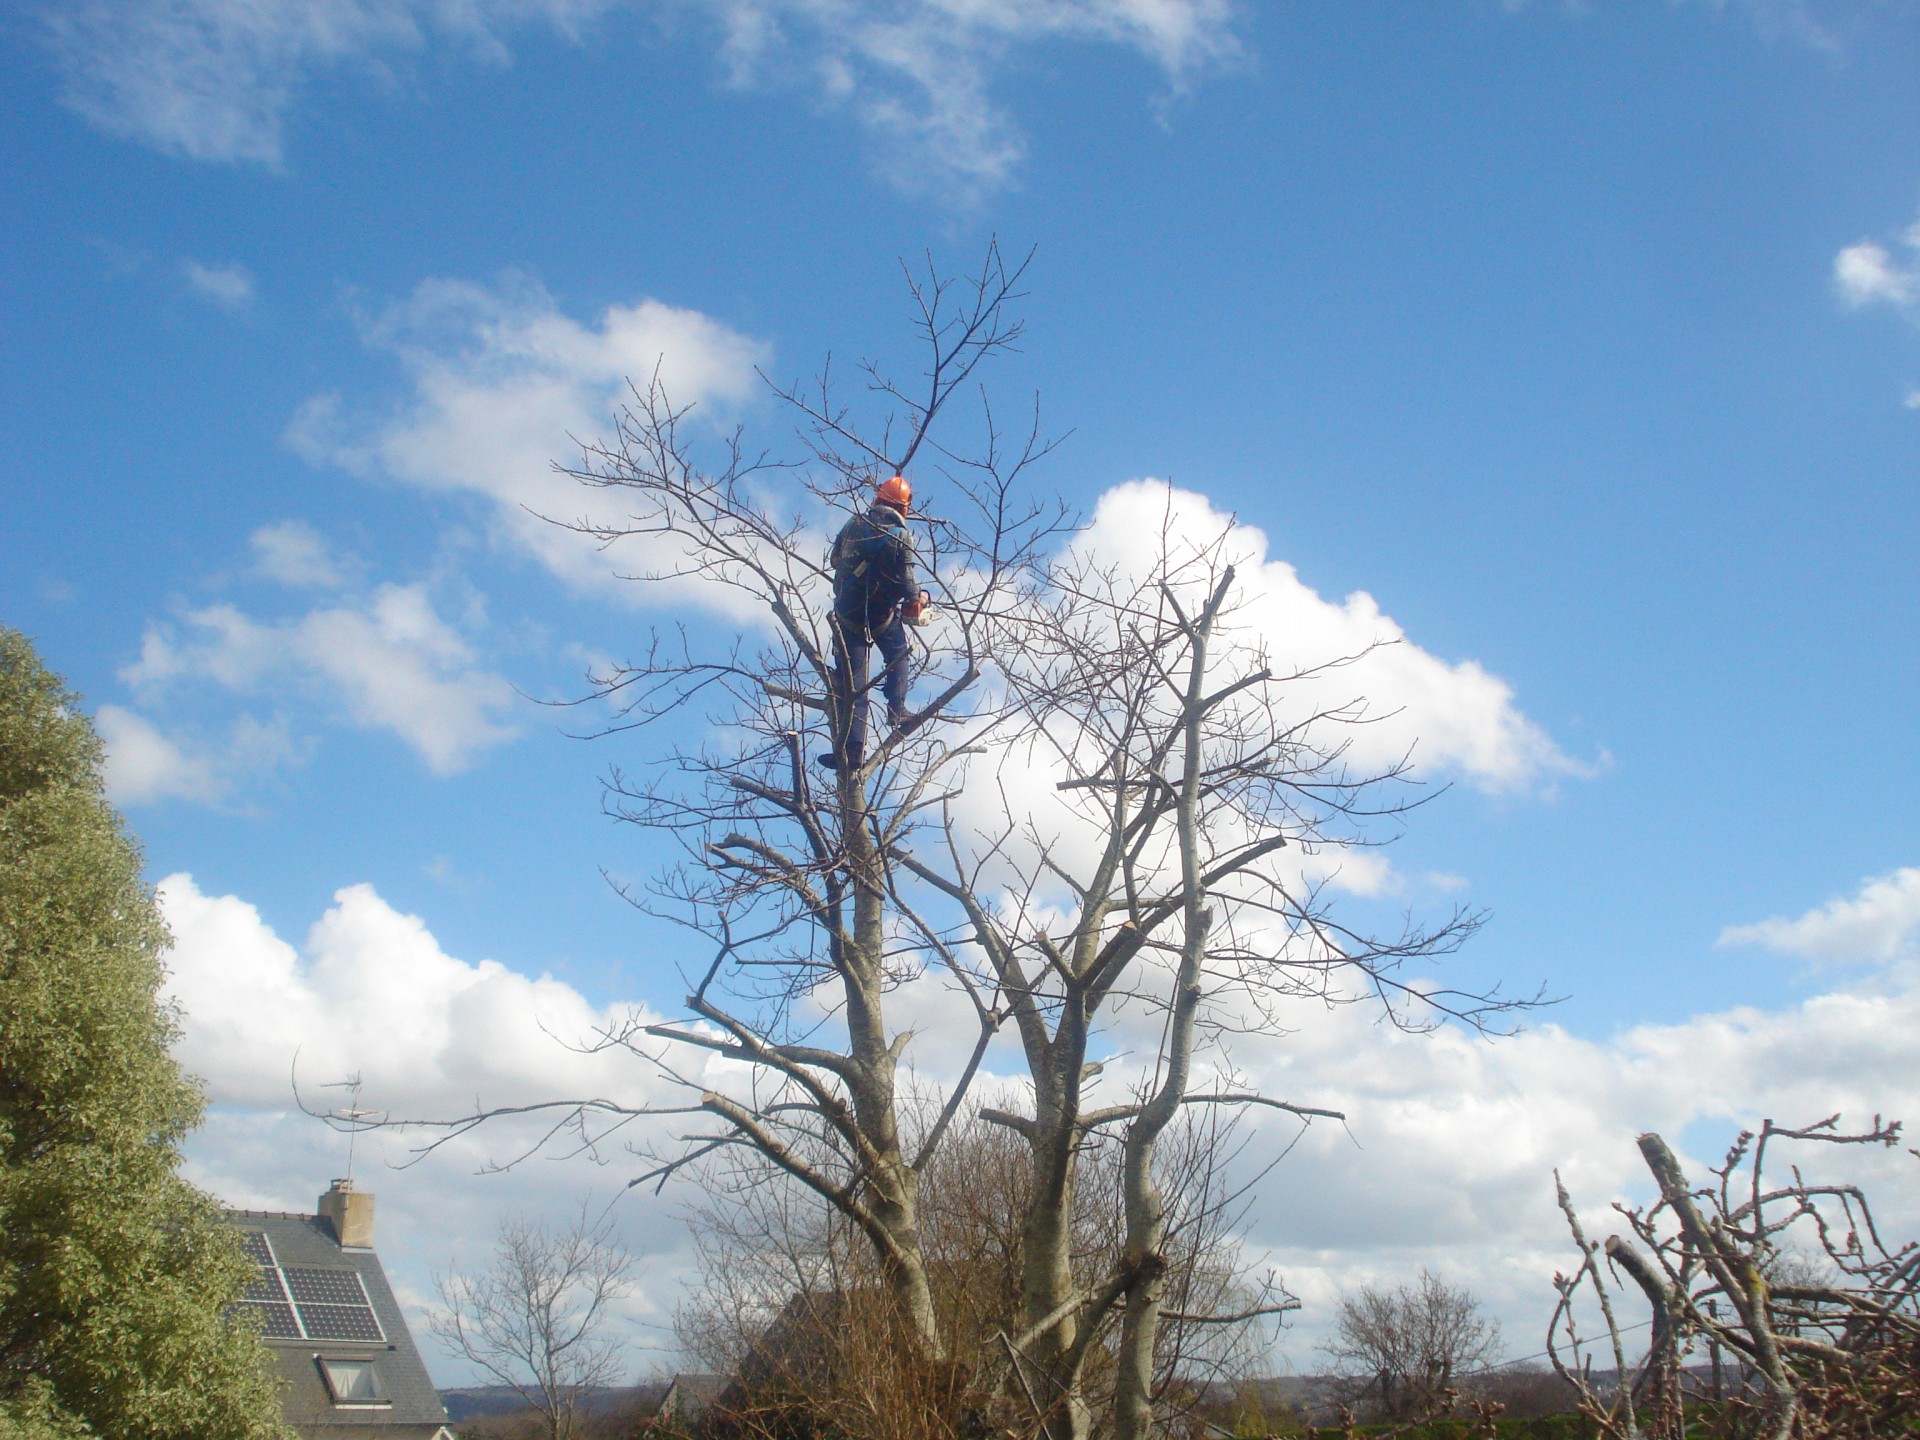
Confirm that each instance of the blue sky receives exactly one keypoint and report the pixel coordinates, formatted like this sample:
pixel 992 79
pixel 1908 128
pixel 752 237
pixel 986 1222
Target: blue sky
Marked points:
pixel 1585 339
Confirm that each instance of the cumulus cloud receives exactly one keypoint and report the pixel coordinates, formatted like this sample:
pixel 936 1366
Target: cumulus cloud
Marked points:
pixel 1446 1158
pixel 1870 274
pixel 1351 687
pixel 1452 1141
pixel 371 992
pixel 503 383
pixel 1879 924
pixel 388 662
pixel 216 80
pixel 1455 716
pixel 230 287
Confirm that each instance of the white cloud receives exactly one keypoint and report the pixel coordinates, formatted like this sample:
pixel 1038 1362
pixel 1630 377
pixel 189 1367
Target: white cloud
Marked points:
pixel 1446 1159
pixel 213 79
pixel 398 667
pixel 1870 274
pixel 293 553
pixel 1453 716
pixel 388 662
pixel 1879 924
pixel 143 765
pixel 920 76
pixel 1456 1139
pixel 1865 274
pixel 216 80
pixel 230 287
pixel 370 991
pixel 504 384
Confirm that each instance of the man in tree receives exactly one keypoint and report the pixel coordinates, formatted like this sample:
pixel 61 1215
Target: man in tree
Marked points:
pixel 117 1278
pixel 876 595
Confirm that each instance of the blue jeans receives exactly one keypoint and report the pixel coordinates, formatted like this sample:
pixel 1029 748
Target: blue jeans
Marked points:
pixel 859 640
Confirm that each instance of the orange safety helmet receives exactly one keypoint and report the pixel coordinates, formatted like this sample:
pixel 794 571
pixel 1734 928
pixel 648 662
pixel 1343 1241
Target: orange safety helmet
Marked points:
pixel 895 492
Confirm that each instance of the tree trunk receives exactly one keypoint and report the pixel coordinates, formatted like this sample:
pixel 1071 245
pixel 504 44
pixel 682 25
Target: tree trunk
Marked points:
pixel 1146 1208
pixel 894 1186
pixel 1047 1281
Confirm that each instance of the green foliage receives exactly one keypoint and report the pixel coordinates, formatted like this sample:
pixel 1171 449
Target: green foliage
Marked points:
pixel 116 1276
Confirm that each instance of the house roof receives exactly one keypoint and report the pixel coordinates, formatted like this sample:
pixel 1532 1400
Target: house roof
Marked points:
pixel 691 1393
pixel 693 1382
pixel 409 1407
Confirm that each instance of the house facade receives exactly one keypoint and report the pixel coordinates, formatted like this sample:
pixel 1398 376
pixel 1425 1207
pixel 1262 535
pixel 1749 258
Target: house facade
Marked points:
pixel 347 1362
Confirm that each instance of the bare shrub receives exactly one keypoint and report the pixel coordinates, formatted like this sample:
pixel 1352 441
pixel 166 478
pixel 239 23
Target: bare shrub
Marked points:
pixel 1789 1276
pixel 791 1305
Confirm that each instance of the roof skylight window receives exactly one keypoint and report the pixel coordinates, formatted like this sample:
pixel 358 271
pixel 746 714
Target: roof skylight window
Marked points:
pixel 353 1382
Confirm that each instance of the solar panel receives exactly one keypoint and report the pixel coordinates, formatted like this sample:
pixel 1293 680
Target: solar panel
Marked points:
pixel 326 1287
pixel 307 1302
pixel 340 1322
pixel 276 1319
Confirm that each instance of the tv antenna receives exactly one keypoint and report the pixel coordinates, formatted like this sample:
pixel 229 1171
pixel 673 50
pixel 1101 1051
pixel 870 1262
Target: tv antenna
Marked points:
pixel 352 1119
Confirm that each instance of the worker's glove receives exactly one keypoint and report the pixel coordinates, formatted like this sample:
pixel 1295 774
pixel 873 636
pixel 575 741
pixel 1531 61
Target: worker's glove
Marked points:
pixel 914 612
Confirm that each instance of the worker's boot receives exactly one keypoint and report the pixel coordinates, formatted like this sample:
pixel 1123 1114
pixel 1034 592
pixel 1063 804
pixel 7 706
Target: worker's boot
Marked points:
pixel 833 761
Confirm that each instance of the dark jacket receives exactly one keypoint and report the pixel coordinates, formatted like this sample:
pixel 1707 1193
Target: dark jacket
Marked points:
pixel 873 572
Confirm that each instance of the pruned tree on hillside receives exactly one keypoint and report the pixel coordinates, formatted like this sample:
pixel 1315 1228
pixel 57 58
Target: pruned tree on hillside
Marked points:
pixel 1408 1348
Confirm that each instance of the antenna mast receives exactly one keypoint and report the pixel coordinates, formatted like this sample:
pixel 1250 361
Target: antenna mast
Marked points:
pixel 353 1116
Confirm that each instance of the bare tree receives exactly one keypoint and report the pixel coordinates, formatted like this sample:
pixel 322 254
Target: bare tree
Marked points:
pixel 786 880
pixel 1789 1276
pixel 1158 889
pixel 1407 1348
pixel 538 1318
pixel 1141 883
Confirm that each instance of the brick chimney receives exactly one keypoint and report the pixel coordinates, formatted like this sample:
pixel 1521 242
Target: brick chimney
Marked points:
pixel 351 1213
